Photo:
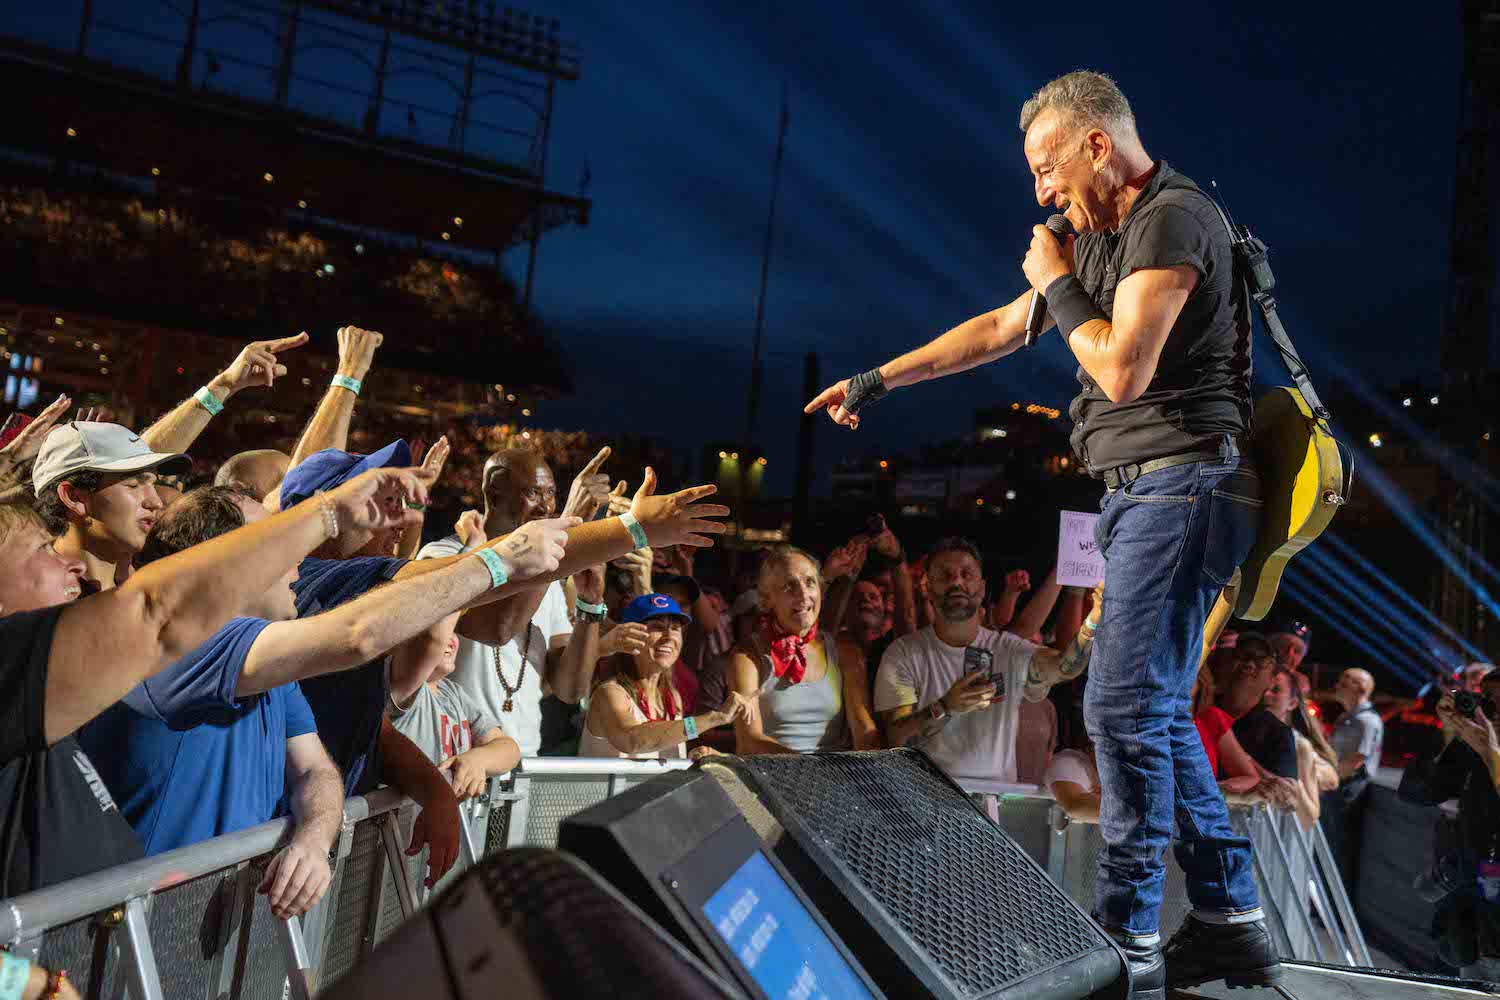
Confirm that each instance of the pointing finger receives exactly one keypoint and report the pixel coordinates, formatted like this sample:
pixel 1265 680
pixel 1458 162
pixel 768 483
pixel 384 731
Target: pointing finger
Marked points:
pixel 595 462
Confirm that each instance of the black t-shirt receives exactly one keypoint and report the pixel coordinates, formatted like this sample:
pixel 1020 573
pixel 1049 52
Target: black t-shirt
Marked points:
pixel 60 821
pixel 1201 389
pixel 1269 741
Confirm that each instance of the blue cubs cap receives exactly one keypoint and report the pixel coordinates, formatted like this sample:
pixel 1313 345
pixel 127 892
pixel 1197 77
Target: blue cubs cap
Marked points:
pixel 330 468
pixel 649 606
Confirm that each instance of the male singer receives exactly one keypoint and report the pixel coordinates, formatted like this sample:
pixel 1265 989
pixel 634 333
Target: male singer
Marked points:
pixel 1146 299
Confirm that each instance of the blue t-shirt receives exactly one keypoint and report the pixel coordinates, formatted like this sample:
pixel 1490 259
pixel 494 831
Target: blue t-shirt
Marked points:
pixel 184 759
pixel 348 704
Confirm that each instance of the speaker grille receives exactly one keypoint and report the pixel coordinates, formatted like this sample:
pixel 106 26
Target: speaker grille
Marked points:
pixel 953 881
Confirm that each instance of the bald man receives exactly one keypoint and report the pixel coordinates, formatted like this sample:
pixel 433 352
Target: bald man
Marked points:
pixel 1357 740
pixel 259 471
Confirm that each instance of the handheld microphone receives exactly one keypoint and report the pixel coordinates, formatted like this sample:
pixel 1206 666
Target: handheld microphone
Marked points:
pixel 1036 312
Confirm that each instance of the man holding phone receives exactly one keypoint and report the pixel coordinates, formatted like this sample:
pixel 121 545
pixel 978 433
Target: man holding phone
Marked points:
pixel 954 688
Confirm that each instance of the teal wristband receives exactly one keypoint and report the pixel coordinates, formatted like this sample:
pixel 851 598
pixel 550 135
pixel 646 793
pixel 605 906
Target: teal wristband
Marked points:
pixel 211 403
pixel 636 531
pixel 590 609
pixel 492 562
pixel 345 382
pixel 15 972
pixel 690 726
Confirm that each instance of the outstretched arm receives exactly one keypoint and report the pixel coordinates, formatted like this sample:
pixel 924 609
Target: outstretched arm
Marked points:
pixel 169 607
pixel 1049 667
pixel 972 343
pixel 257 364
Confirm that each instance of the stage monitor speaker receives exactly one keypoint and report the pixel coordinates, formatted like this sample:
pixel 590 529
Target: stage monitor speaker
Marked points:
pixel 680 849
pixel 530 924
pixel 933 898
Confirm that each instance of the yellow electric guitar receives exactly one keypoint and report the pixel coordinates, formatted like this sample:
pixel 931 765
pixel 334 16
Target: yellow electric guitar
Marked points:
pixel 1302 482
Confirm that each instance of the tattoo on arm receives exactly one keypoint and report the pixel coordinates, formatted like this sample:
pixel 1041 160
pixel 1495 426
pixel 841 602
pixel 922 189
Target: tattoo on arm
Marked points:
pixel 1048 667
pixel 929 728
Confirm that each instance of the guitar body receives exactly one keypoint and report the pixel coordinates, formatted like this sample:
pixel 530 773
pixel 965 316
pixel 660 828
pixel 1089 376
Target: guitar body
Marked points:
pixel 1302 476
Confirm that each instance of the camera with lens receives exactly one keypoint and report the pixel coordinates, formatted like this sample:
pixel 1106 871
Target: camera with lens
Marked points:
pixel 1466 703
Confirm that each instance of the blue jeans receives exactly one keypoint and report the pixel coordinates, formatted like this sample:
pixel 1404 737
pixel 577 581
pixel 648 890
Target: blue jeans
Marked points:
pixel 1170 540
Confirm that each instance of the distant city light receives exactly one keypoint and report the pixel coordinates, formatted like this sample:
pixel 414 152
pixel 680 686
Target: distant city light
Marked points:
pixel 458 221
pixel 156 171
pixel 328 268
pixel 1010 494
pixel 301 203
pixel 525 413
pixel 1375 441
pixel 884 464
pixel 1433 401
pixel 1406 401
pixel 359 248
pixel 979 502
pixel 267 177
pixel 447 236
pixel 72 133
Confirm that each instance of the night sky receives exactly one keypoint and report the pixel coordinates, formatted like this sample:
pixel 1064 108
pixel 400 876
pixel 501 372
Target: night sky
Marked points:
pixel 906 203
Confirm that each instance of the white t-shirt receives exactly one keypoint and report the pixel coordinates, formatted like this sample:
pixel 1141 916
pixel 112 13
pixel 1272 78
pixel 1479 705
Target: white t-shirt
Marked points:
pixel 1075 766
pixel 919 668
pixel 475 669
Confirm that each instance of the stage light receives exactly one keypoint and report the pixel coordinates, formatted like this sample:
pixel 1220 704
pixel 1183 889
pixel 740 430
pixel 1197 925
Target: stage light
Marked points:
pixel 271 419
pixel 359 248
pixel 156 171
pixel 307 381
pixel 301 203
pixel 1433 401
pixel 328 268
pixel 1375 441
pixel 979 502
pixel 267 177
pixel 734 455
pixel 447 236
pixel 457 221
pixel 1406 401
pixel 723 454
pixel 761 461
pixel 104 357
pixel 72 133
pixel 526 435
pixel 57 321
pixel 416 388
pixel 510 397
pixel 104 371
pixel 884 464
pixel 179 370
pixel 1063 461
pixel 1010 494
pixel 525 413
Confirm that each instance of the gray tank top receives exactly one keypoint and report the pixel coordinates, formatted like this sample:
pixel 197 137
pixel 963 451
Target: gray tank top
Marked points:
pixel 807 716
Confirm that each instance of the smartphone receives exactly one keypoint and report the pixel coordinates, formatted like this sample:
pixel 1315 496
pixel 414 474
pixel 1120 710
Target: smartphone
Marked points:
pixel 14 424
pixel 978 660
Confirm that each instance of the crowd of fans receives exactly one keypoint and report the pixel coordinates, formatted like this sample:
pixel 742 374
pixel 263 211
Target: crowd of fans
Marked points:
pixel 189 660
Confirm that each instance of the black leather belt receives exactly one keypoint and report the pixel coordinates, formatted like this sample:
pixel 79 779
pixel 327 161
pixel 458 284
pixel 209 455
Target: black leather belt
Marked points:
pixel 1124 475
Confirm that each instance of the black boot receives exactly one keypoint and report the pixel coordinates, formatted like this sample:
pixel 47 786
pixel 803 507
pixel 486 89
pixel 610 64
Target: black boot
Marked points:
pixel 1148 973
pixel 1240 954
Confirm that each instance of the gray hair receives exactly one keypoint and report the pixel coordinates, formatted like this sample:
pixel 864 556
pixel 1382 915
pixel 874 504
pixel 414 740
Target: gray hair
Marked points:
pixel 1082 98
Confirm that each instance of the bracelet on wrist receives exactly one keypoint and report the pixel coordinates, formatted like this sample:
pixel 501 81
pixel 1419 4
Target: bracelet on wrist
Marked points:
pixel 208 401
pixel 590 612
pixel 15 974
pixel 637 533
pixel 330 516
pixel 690 727
pixel 345 382
pixel 499 575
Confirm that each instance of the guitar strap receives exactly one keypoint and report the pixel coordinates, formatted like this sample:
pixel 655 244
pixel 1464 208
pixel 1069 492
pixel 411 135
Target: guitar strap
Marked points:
pixel 1253 267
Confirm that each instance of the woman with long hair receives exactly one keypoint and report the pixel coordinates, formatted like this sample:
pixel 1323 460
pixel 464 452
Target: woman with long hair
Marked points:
pixel 1317 764
pixel 636 710
pixel 805 691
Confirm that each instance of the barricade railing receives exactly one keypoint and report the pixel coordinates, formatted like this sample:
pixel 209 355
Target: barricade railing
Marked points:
pixel 189 923
pixel 1306 905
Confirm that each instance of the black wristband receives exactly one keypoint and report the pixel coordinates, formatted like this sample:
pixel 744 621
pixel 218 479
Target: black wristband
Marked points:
pixel 866 387
pixel 1070 305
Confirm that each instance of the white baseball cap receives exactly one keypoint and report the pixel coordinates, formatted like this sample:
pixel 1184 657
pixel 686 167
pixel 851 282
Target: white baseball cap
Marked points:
pixel 96 447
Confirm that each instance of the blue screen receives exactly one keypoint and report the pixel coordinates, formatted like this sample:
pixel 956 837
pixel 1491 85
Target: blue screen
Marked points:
pixel 771 933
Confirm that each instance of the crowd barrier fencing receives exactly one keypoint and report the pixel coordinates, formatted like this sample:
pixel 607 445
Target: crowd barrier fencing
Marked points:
pixel 190 924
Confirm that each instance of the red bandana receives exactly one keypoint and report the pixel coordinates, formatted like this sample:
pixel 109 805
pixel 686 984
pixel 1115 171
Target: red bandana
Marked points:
pixel 668 704
pixel 788 650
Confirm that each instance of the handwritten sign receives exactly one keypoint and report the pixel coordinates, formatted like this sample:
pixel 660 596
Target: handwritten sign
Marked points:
pixel 1079 563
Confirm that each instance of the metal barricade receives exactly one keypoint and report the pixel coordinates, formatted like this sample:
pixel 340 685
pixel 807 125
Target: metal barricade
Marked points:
pixel 189 923
pixel 1307 910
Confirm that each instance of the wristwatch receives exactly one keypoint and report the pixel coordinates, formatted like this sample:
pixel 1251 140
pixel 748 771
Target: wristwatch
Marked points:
pixel 936 710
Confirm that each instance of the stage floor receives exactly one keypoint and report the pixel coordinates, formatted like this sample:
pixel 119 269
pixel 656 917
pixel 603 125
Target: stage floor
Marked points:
pixel 1308 983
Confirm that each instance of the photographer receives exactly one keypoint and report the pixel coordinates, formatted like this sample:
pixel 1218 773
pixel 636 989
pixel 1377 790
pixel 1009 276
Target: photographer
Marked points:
pixel 1466 923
